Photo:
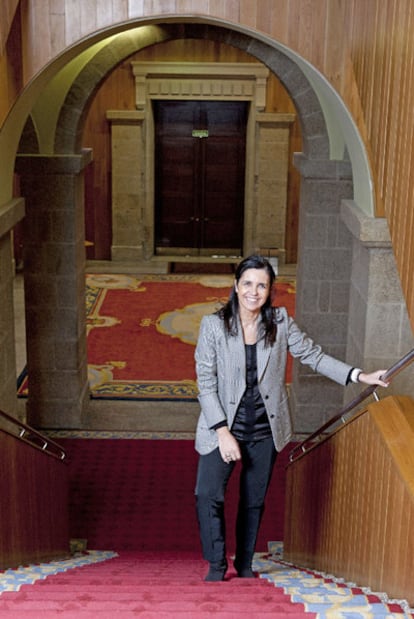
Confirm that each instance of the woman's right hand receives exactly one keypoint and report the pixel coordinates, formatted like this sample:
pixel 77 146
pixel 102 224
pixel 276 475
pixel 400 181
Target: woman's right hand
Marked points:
pixel 228 446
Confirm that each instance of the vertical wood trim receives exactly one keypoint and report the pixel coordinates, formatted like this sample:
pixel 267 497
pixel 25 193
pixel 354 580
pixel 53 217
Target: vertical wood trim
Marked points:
pixel 350 501
pixel 34 523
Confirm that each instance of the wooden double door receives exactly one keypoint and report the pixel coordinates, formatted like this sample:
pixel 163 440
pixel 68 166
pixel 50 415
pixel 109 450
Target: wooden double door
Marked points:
pixel 200 151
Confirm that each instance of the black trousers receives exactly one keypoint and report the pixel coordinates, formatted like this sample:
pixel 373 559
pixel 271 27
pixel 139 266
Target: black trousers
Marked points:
pixel 213 474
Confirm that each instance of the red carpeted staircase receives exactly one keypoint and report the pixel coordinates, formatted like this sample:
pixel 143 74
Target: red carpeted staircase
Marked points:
pixel 136 498
pixel 148 585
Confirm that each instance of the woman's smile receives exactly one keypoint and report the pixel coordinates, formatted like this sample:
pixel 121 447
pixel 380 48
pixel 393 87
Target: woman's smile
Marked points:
pixel 253 289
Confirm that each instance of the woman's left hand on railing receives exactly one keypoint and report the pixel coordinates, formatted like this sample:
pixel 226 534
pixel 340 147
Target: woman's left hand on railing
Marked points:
pixel 374 378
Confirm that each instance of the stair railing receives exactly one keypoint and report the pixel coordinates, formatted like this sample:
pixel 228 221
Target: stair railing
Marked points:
pixel 28 435
pixel 340 417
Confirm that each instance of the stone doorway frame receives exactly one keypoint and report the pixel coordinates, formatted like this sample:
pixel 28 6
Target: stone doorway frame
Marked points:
pixel 133 152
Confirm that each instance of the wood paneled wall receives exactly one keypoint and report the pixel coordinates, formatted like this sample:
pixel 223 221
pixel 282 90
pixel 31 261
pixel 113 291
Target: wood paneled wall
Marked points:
pixel 381 43
pixel 34 507
pixel 7 11
pixel 365 49
pixel 11 82
pixel 350 501
pixel 118 93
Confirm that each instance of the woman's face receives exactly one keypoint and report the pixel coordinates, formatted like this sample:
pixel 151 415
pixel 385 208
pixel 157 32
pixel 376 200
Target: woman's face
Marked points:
pixel 253 289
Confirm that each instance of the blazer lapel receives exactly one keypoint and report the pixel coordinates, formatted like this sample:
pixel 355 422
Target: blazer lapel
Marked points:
pixel 237 355
pixel 263 354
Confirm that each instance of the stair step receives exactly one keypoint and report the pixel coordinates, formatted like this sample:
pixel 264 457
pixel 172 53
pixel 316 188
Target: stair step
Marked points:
pixel 148 614
pixel 199 594
pixel 162 587
pixel 240 583
pixel 171 606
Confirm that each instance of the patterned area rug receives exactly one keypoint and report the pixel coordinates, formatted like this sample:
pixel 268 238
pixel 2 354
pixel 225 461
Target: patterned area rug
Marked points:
pixel 142 332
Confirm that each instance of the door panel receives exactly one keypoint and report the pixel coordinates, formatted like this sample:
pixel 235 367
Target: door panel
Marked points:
pixel 223 198
pixel 199 182
pixel 175 187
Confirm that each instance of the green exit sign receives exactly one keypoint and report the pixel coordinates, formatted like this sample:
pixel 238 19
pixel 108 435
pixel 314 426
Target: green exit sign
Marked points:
pixel 200 133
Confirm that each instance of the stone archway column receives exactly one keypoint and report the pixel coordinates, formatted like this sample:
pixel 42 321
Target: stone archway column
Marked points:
pixel 323 283
pixel 54 277
pixel 379 332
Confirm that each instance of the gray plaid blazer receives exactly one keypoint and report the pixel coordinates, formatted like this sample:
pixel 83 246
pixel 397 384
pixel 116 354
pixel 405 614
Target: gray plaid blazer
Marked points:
pixel 221 375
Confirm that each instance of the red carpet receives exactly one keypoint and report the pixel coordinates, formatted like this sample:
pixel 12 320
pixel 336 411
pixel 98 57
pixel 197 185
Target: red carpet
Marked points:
pixel 142 332
pixel 139 495
pixel 148 586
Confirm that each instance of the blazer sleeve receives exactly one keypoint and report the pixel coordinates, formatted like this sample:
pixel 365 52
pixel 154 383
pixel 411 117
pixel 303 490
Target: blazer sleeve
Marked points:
pixel 206 368
pixel 303 347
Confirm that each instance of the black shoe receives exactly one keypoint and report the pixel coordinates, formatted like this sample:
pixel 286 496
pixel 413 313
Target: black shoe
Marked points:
pixel 244 571
pixel 216 571
pixel 215 575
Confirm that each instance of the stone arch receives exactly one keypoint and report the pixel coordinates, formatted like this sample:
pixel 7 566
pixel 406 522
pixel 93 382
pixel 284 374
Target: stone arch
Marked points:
pixel 314 131
pixel 52 186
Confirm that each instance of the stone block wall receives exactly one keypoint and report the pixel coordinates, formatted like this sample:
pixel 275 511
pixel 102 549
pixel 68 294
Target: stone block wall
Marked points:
pixel 379 332
pixel 323 282
pixel 54 277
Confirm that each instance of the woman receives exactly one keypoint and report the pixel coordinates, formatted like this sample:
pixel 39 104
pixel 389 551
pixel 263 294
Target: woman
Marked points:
pixel 240 362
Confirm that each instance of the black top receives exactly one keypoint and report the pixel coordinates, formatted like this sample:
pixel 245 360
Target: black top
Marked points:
pixel 251 422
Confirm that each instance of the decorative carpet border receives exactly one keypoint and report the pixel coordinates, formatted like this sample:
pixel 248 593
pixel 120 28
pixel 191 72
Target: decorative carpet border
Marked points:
pixel 147 391
pixel 327 596
pixel 13 579
pixel 144 391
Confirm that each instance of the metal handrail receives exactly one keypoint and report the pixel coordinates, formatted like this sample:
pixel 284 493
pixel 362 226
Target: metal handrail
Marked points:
pixel 28 435
pixel 370 390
